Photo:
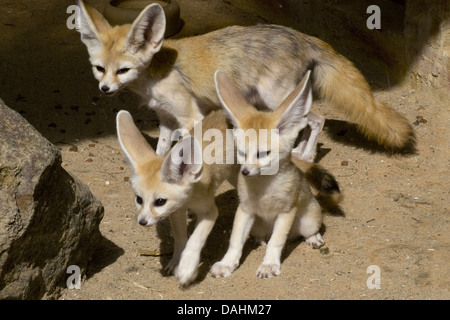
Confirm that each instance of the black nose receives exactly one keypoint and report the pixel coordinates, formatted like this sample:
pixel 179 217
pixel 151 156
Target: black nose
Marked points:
pixel 104 89
pixel 245 172
pixel 143 222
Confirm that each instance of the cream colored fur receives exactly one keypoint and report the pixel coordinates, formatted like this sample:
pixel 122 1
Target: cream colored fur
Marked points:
pixel 272 207
pixel 265 62
pixel 166 188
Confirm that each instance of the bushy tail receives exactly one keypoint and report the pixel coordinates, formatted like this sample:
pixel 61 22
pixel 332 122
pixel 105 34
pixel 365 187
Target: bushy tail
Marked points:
pixel 321 180
pixel 338 81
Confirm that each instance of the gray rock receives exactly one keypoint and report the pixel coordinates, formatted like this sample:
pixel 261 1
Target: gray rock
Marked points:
pixel 49 219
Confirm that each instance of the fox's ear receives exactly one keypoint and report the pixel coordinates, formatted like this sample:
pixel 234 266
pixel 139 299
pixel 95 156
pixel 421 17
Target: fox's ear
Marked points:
pixel 233 102
pixel 147 30
pixel 134 145
pixel 184 161
pixel 89 24
pixel 294 109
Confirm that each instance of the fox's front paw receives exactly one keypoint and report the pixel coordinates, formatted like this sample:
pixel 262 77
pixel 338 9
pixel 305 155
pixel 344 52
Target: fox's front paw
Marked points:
pixel 315 241
pixel 185 277
pixel 221 269
pixel 186 272
pixel 268 270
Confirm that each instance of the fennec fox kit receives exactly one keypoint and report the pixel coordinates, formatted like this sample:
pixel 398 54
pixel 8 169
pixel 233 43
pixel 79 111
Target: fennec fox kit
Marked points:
pixel 168 186
pixel 273 206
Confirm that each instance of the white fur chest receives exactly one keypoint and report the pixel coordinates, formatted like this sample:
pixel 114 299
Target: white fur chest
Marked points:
pixel 268 196
pixel 165 93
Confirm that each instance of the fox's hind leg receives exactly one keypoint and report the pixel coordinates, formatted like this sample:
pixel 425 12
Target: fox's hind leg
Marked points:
pixel 315 241
pixel 308 223
pixel 306 149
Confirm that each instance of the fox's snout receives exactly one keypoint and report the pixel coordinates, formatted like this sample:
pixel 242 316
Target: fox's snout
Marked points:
pixel 250 171
pixel 105 89
pixel 108 89
pixel 145 220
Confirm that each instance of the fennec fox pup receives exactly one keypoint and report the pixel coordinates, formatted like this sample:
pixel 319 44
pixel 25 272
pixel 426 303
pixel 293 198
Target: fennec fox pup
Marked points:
pixel 272 207
pixel 175 77
pixel 168 186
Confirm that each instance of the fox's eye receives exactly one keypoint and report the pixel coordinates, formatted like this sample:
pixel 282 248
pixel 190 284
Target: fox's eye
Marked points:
pixel 160 202
pixel 263 154
pixel 139 200
pixel 100 69
pixel 123 70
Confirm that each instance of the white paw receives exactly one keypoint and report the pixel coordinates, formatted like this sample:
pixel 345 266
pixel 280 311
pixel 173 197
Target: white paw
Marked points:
pixel 315 241
pixel 186 272
pixel 185 277
pixel 222 269
pixel 268 270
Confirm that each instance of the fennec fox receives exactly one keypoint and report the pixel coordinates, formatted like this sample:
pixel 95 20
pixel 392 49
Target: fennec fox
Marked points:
pixel 272 207
pixel 168 186
pixel 265 62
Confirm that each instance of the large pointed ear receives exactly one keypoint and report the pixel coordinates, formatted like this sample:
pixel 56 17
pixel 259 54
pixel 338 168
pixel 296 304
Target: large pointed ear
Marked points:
pixel 233 102
pixel 292 112
pixel 147 30
pixel 90 23
pixel 184 161
pixel 135 147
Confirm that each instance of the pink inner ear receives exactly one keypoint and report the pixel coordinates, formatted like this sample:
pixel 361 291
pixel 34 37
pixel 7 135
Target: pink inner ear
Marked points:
pixel 148 28
pixel 134 143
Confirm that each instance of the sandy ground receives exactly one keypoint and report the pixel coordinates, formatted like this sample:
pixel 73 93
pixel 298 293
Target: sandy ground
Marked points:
pixel 395 214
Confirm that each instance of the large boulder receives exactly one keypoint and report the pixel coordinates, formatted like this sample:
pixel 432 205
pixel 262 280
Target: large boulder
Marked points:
pixel 49 220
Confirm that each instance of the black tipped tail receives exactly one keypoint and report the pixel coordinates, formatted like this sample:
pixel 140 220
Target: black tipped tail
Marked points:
pixel 325 183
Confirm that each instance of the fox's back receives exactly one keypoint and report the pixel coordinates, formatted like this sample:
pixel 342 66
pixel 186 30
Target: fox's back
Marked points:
pixel 248 55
